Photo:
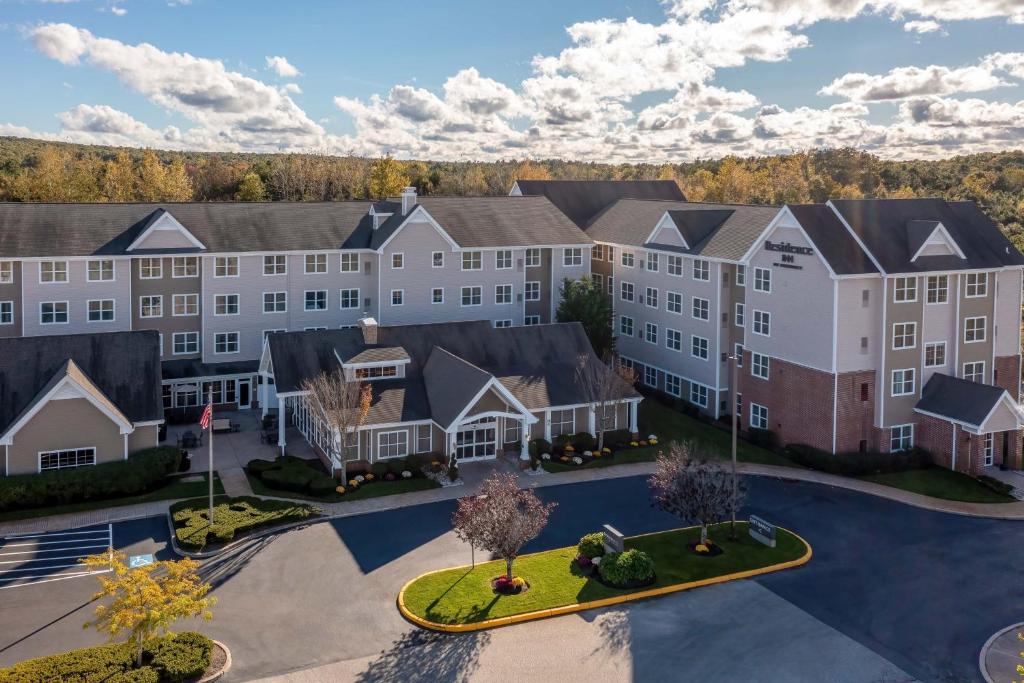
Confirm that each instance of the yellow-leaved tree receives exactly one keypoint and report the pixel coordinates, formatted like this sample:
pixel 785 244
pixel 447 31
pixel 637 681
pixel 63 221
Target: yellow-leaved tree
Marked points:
pixel 386 178
pixel 145 601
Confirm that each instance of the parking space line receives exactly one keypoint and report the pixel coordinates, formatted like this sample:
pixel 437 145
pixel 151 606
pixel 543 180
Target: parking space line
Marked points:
pixel 38 543
pixel 52 550
pixel 57 533
pixel 34 564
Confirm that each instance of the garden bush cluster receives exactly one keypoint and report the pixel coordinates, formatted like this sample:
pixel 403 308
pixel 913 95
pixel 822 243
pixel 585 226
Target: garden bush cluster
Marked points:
pixel 230 516
pixel 567 447
pixel 627 569
pixel 858 464
pixel 170 659
pixel 140 473
pixel 591 545
pixel 289 473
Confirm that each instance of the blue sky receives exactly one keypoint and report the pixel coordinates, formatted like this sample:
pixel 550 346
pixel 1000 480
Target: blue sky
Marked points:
pixel 647 81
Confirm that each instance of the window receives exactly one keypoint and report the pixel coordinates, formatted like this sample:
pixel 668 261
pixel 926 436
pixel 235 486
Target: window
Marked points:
pixel 762 280
pixel 651 298
pixel 741 276
pixel 739 405
pixel 313 328
pixel 150 269
pixel 437 259
pixel 472 296
pixel 424 438
pixel 53 312
pixel 316 300
pixel 100 271
pixel 934 354
pixel 572 256
pixel 626 325
pixel 503 259
pixel 563 422
pixel 227 266
pixel 977 285
pixel 904 335
pixel 53 271
pixel 398 261
pixel 225 342
pixel 700 308
pixel 626 291
pixel 938 289
pixel 650 376
pixel 66 459
pixel 758 416
pixel 532 320
pixel 611 286
pixel 151 306
pixel 275 302
pixel 762 323
pixel 865 298
pixel 437 295
pixel 471 260
pixel 349 263
pixel 901 438
pixel 652 262
pixel 502 294
pixel 278 264
pixel 316 264
pixel 989 451
pixel 974 330
pixel 6 312
pixel 397 297
pixel 502 323
pixel 675 265
pixel 349 298
pixel 225 304
pixel 759 365
pixel 865 392
pixel 699 347
pixel 739 317
pixel 185 305
pixel 903 382
pixel 184 343
pixel 699 394
pixel 905 290
pixel 598 279
pixel 532 291
pixel 533 258
pixel 650 333
pixel 597 253
pixel 738 354
pixel 6 272
pixel 376 372
pixel 627 259
pixel 100 310
pixel 673 339
pixel 674 302
pixel 673 384
pixel 975 371
pixel 393 444
pixel 701 270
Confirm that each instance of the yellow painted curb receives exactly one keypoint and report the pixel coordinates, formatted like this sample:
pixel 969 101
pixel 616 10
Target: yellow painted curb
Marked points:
pixel 603 602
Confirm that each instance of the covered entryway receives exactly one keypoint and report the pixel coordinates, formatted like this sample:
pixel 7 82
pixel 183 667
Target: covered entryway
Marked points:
pixel 477 440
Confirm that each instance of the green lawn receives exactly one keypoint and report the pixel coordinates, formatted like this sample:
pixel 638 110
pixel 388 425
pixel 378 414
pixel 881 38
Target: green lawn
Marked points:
pixel 373 490
pixel 941 483
pixel 175 488
pixel 231 517
pixel 464 595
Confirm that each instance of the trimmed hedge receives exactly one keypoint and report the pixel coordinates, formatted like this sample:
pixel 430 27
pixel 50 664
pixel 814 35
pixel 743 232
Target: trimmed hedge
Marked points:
pixel 995 484
pixel 591 545
pixel 140 473
pixel 627 569
pixel 169 659
pixel 858 464
pixel 230 516
pixel 539 447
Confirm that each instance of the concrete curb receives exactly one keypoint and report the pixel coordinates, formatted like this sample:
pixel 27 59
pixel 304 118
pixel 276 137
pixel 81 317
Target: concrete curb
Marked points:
pixel 580 606
pixel 988 644
pixel 213 676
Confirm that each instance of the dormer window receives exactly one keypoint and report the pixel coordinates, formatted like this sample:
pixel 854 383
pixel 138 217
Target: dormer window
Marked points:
pixel 379 372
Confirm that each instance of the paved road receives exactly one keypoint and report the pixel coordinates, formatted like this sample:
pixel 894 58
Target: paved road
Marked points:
pixel 893 593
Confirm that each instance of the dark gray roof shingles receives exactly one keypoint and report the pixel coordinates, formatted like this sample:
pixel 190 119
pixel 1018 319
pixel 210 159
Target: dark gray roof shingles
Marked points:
pixel 959 399
pixel 583 200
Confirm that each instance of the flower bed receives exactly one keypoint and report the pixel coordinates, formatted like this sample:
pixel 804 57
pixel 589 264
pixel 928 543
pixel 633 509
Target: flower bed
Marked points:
pixel 231 516
pixel 297 478
pixel 580 450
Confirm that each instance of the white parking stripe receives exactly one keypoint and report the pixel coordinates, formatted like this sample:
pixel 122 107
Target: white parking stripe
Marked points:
pixel 59 533
pixel 39 543
pixel 53 550
pixel 46 578
pixel 28 569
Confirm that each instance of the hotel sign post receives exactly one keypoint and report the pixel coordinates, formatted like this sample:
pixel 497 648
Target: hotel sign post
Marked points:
pixel 762 531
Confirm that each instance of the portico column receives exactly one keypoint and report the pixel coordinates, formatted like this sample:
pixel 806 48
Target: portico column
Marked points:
pixel 524 435
pixel 591 419
pixel 282 406
pixel 263 395
pixel 632 416
pixel 547 425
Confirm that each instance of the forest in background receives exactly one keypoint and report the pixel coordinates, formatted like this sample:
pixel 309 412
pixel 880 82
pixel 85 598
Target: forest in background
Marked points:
pixel 40 171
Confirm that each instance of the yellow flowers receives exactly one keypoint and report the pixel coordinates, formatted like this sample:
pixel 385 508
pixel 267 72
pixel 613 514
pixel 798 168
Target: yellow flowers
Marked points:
pixel 518 582
pixel 634 444
pixel 370 476
pixel 606 450
pixel 701 548
pixel 653 442
pixel 339 489
pixel 353 483
pixel 569 448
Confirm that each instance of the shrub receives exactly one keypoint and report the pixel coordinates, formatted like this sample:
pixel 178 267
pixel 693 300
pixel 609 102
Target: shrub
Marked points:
pixel 584 441
pixel 629 568
pixel 379 469
pixel 412 463
pixel 765 438
pixel 322 485
pixel 857 464
pixel 258 467
pixel 230 516
pixel 453 471
pixel 618 436
pixel 184 656
pixel 562 440
pixel 995 484
pixel 289 478
pixel 541 446
pixel 591 545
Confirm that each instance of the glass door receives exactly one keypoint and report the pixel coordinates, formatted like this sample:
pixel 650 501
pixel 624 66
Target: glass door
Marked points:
pixel 477 442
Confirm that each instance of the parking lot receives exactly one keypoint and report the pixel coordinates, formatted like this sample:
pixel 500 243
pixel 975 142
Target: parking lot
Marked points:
pixel 54 556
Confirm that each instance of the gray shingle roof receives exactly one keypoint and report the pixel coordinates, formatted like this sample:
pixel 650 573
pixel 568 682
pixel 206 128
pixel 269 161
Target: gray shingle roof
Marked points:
pixel 451 383
pixel 833 241
pixel 959 399
pixel 583 200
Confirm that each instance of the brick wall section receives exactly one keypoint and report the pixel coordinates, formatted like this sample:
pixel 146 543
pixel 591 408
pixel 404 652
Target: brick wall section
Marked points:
pixel 1008 374
pixel 799 402
pixel 854 417
pixel 936 436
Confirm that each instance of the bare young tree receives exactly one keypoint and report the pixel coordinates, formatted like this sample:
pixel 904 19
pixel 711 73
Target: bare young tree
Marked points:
pixel 700 490
pixel 341 404
pixel 502 518
pixel 604 386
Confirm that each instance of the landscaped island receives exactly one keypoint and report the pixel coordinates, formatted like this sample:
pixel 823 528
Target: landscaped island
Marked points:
pixel 231 517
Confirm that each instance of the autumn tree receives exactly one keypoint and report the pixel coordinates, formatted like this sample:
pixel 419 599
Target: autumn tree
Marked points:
pixel 145 601
pixel 119 178
pixel 251 189
pixel 604 385
pixel 583 301
pixel 342 405
pixel 531 170
pixel 386 178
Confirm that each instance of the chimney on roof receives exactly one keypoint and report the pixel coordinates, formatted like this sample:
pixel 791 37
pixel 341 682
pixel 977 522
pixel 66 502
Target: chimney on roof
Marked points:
pixel 369 328
pixel 408 199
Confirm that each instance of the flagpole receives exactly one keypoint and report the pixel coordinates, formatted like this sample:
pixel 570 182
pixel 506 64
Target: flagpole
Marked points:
pixel 210 443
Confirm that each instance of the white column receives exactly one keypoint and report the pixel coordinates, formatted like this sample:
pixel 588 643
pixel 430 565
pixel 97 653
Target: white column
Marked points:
pixel 591 419
pixel 263 395
pixel 282 404
pixel 632 416
pixel 126 446
pixel 547 425
pixel 524 435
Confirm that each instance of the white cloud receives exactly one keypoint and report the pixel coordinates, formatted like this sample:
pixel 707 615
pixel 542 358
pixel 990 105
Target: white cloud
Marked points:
pixel 924 26
pixel 292 88
pixel 282 67
pixel 118 11
pixel 911 81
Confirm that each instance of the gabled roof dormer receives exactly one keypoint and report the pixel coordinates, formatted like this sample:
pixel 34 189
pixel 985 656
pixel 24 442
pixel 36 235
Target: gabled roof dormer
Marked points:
pixel 930 238
pixel 162 231
pixel 667 232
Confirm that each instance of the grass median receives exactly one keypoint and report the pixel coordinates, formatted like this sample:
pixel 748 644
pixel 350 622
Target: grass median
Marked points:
pixel 231 517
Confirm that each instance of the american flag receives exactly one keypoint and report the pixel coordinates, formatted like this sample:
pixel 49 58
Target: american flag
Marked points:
pixel 204 421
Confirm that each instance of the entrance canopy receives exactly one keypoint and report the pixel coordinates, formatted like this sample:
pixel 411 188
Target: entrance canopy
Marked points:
pixel 977 408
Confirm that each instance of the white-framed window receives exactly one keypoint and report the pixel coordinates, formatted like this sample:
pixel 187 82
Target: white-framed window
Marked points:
pixel 741 276
pixel 627 259
pixel 758 416
pixel 437 295
pixel 6 272
pixel 977 285
pixel 348 298
pixel 652 261
pixel 625 325
pixel 698 394
pixel 53 271
pixel 437 259
pixel 6 312
pixel 763 280
pixel 502 294
pixel 349 262
pixel 739 405
pixel 315 300
pixel 532 291
pixel 626 291
pixel 699 347
pixel 184 267
pixel 275 302
pixel 989 451
pixel 651 297
pixel 739 316
pixel 225 266
pixel 100 270
pixel 903 381
pixel 533 258
pixel 183 305
pixel 151 306
pixel 673 339
pixel 700 308
pixel 572 257
pixel 901 438
pixel 674 265
pixel 701 270
pixel 611 286
pixel 563 422
pixel 737 351
pixel 974 330
pixel 937 289
pixel 100 310
pixel 397 261
pixel 673 385
pixel 503 259
pixel 472 296
pixel 314 328
pixel 674 302
pixel 425 437
pixel 975 371
pixel 276 264
pixel 651 333
pixel 225 342
pixel 397 297
pixel 183 343
pixel 598 279
pixel 225 304
pixel 934 354
pixel 393 444
pixel 650 376
pixel 759 365
pixel 531 320
pixel 53 312
pixel 472 260
pixel 762 323
pixel 597 253
pixel 151 268
pixel 904 335
pixel 904 290
pixel 66 459
pixel 316 264
pixel 502 323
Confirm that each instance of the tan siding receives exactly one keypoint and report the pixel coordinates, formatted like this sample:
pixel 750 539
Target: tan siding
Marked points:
pixel 63 424
pixel 143 438
pixel 167 286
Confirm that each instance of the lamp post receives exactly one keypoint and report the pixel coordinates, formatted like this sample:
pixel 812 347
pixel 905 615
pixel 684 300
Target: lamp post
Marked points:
pixel 735 427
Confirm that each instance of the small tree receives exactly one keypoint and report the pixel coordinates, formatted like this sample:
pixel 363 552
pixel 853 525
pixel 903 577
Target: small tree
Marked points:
pixel 386 178
pixel 251 188
pixel 340 403
pixel 502 518
pixel 146 600
pixel 583 301
pixel 604 385
pixel 700 490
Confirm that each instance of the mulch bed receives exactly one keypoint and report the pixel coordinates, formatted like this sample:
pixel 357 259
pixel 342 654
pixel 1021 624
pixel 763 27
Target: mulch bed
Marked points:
pixel 509 590
pixel 218 659
pixel 714 550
